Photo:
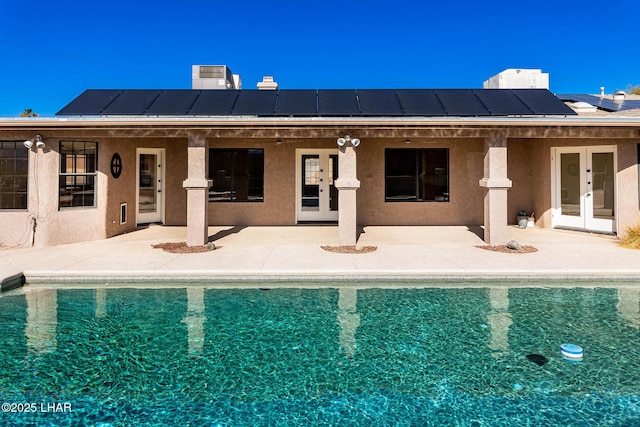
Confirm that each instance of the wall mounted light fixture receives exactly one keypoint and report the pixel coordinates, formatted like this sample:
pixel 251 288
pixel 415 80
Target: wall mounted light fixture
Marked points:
pixel 343 141
pixel 37 139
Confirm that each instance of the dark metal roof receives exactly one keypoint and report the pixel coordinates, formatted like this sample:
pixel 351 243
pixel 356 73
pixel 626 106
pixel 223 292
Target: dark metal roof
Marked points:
pixel 316 103
pixel 602 103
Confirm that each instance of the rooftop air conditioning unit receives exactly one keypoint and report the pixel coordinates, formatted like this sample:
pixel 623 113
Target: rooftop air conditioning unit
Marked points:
pixel 214 77
pixel 518 78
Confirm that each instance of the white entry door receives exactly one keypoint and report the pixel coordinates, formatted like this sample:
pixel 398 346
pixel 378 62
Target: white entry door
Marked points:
pixel 584 188
pixel 149 182
pixel 316 195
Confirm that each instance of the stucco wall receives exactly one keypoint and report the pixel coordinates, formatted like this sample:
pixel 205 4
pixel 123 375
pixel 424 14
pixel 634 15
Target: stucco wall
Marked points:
pixel 53 226
pixel 530 171
pixel 68 225
pixel 529 168
pixel 465 206
pixel 519 170
pixel 123 189
pixel 279 205
pixel 628 212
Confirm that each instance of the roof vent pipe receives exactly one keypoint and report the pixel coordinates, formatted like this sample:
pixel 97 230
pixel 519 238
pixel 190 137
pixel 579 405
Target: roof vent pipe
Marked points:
pixel 601 91
pixel 618 96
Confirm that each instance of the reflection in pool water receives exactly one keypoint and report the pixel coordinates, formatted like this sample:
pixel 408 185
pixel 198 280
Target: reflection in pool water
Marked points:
pixel 332 356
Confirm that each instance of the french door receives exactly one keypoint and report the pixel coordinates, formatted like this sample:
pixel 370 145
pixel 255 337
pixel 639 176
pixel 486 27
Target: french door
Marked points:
pixel 316 194
pixel 149 183
pixel 584 188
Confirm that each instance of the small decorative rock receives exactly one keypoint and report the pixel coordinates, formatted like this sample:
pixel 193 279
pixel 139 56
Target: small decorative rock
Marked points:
pixel 512 244
pixel 211 246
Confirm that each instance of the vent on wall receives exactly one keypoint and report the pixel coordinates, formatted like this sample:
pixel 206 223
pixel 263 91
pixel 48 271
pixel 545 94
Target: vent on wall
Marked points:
pixel 123 213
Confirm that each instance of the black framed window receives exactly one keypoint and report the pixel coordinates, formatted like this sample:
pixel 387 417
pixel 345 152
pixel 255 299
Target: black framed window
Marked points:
pixel 237 174
pixel 78 173
pixel 14 172
pixel 416 174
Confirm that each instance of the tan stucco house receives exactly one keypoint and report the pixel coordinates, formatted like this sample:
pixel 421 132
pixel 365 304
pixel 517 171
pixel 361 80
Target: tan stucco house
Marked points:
pixel 112 160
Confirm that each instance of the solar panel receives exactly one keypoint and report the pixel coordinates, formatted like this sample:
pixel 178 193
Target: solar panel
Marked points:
pixel 379 102
pixel 325 102
pixel 339 102
pixel 131 102
pixel 90 102
pixel 603 103
pixel 214 102
pixel 502 102
pixel 420 102
pixel 255 103
pixel 461 102
pixel 297 103
pixel 173 103
pixel 543 102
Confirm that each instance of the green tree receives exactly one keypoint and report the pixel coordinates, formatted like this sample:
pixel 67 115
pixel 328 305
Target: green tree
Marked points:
pixel 633 89
pixel 28 112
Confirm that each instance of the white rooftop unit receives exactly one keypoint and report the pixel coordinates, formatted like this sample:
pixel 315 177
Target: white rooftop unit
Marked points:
pixel 268 83
pixel 214 77
pixel 517 78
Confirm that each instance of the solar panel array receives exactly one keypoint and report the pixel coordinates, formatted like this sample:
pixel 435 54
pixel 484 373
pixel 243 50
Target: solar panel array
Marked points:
pixel 318 103
pixel 603 103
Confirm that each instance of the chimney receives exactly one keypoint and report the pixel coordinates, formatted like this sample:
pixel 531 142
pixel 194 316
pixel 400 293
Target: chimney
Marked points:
pixel 267 83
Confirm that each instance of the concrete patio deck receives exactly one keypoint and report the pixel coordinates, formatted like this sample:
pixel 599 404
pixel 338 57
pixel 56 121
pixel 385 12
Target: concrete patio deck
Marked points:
pixel 294 255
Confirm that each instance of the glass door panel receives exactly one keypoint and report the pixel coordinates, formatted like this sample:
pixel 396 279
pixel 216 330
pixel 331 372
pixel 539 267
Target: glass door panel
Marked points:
pixel 150 203
pixel 148 184
pixel 333 175
pixel 570 184
pixel 602 185
pixel 310 183
pixel 584 193
pixel 317 196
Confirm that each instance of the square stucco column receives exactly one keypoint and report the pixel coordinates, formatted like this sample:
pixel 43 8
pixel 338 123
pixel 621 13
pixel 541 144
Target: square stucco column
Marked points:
pixel 496 184
pixel 347 185
pixel 197 186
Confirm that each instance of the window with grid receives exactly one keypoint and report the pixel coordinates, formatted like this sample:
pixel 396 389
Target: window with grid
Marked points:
pixel 417 175
pixel 14 172
pixel 78 173
pixel 237 174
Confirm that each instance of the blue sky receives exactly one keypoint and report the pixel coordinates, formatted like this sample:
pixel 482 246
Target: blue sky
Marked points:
pixel 52 51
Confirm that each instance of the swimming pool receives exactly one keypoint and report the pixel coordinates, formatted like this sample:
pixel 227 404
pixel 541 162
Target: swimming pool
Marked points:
pixel 331 356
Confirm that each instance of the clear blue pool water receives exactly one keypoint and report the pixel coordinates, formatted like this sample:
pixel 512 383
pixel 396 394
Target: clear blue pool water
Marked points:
pixel 333 356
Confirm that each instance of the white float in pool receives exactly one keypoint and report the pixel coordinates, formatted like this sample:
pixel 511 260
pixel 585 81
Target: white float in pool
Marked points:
pixel 571 351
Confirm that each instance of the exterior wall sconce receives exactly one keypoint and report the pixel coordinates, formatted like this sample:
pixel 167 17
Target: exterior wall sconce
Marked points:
pixel 407 141
pixel 278 141
pixel 37 139
pixel 343 141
